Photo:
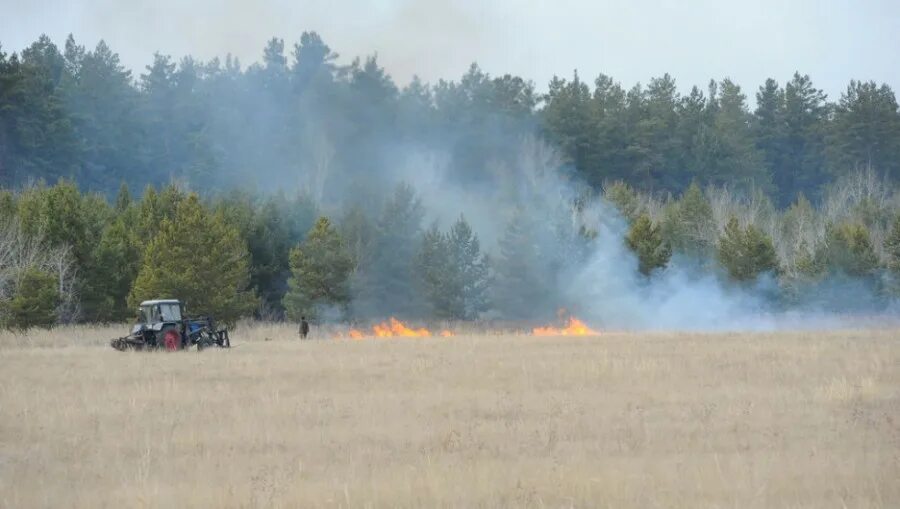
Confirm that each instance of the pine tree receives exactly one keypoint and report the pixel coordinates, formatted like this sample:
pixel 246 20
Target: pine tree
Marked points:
pixel 733 158
pixel 106 118
pixel 155 207
pixel 7 205
pixel 271 227
pixel 524 287
pixel 176 119
pixel 123 199
pixel 471 270
pixel 35 301
pixel 384 283
pixel 804 150
pixel 313 60
pixel 769 131
pixel 117 259
pixel 434 272
pixel 646 240
pixel 746 252
pixel 61 215
pixel 567 117
pixel 849 250
pixel 892 246
pixel 359 235
pixel 624 198
pixel 865 130
pixel 35 127
pixel 453 272
pixel 695 117
pixel 320 271
pixel 199 258
pixel 66 219
pixel 608 149
pixel 688 225
pixel 810 266
pixel 892 250
pixel 654 144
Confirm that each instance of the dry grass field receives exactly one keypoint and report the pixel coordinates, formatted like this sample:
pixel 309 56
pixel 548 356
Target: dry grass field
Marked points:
pixel 804 419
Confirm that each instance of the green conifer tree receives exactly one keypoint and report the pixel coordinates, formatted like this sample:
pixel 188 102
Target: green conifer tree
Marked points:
pixel 453 272
pixel 523 287
pixel 892 246
pixel 199 258
pixel 688 225
pixel 624 198
pixel 849 250
pixel 35 301
pixel 645 239
pixel 384 281
pixel 746 252
pixel 117 261
pixel 433 272
pixel 470 270
pixel 892 250
pixel 320 271
pixel 123 199
pixel 7 205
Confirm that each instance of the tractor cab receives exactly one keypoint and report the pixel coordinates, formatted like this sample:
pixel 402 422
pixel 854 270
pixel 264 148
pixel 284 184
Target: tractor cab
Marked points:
pixel 160 311
pixel 155 314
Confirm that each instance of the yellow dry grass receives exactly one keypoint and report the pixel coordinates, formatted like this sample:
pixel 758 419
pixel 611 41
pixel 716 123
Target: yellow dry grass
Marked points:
pixel 805 419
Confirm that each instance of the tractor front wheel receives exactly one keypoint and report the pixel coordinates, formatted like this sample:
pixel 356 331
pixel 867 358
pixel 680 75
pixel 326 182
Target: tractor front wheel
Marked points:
pixel 169 339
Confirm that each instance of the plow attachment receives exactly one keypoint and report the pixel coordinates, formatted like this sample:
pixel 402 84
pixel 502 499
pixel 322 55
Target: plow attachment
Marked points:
pixel 128 343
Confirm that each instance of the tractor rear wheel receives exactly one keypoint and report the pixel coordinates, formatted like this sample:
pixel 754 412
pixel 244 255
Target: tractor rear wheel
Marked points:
pixel 169 339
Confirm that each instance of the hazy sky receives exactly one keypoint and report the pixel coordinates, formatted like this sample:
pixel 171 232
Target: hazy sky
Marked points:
pixel 832 41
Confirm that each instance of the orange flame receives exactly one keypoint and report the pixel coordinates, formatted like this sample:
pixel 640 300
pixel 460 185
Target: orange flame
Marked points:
pixel 574 327
pixel 394 328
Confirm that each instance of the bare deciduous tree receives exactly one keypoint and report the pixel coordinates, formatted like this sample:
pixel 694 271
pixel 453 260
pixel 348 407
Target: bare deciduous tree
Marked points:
pixel 20 252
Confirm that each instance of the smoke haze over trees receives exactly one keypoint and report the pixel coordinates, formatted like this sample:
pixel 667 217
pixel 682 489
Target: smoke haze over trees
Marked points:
pixel 298 120
pixel 794 193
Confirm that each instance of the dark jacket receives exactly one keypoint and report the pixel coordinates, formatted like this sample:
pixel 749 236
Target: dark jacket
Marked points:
pixel 304 328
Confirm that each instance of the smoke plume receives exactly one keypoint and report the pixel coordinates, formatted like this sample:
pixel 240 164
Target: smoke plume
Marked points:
pixel 596 276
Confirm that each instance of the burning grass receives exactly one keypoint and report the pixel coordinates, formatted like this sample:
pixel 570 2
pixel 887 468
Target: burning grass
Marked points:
pixel 394 328
pixel 573 327
pixel 804 419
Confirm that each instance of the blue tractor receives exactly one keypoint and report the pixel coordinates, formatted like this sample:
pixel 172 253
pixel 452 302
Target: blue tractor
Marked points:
pixel 163 326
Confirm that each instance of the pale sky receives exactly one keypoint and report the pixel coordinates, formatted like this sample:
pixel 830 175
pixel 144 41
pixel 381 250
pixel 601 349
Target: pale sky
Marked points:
pixel 831 40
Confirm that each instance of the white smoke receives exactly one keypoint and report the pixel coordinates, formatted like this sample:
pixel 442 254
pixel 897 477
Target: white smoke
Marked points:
pixel 613 293
pixel 605 287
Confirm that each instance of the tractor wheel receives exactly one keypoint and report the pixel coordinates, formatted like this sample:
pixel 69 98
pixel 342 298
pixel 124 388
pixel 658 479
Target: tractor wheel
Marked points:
pixel 169 339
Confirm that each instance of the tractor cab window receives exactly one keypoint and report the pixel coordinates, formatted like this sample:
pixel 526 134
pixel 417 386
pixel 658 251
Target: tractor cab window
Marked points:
pixel 149 314
pixel 170 312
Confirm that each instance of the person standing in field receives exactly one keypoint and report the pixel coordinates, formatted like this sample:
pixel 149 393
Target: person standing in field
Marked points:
pixel 304 327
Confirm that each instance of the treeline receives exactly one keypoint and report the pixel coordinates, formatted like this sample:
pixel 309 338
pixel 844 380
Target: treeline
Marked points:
pixel 68 256
pixel 655 139
pixel 843 255
pixel 297 120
